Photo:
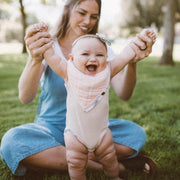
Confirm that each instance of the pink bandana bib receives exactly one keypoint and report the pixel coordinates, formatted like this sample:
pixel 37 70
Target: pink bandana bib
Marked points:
pixel 88 89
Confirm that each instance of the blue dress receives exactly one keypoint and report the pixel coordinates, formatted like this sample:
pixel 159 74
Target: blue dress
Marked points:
pixel 48 129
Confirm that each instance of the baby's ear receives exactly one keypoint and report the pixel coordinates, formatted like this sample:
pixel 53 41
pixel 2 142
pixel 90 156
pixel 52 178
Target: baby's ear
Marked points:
pixel 71 57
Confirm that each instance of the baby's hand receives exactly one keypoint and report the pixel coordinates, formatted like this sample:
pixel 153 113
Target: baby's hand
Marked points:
pixel 40 27
pixel 142 44
pixel 151 34
pixel 147 35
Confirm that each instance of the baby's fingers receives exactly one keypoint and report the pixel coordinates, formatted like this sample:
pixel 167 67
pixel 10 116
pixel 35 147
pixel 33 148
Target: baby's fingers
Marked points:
pixel 35 28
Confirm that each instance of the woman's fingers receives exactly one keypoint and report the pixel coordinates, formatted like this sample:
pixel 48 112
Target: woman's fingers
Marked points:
pixel 38 53
pixel 36 43
pixel 142 44
pixel 148 36
pixel 136 46
pixel 139 43
pixel 36 37
pixel 37 40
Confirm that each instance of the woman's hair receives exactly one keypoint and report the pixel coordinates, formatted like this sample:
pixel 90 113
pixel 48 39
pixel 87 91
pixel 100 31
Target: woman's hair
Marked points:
pixel 63 24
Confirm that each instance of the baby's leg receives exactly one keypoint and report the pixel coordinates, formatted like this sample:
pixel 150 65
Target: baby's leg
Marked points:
pixel 77 156
pixel 106 154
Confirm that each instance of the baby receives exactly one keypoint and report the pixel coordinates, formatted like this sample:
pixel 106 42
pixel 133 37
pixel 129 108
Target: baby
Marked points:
pixel 87 75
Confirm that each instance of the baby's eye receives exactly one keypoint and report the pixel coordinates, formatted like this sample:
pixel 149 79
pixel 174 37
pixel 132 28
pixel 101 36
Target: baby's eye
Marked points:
pixel 85 54
pixel 99 55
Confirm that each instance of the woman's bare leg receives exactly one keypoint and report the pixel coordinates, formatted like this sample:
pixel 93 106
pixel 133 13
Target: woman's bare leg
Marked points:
pixel 54 159
pixel 123 151
pixel 50 159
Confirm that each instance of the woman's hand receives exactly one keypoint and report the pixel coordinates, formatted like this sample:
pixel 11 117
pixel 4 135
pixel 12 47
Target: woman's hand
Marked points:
pixel 142 44
pixel 37 40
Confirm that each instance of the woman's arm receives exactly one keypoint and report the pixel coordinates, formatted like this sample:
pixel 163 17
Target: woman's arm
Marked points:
pixel 124 82
pixel 37 43
pixel 29 80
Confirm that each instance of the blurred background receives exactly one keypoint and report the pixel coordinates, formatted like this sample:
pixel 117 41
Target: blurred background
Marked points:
pixel 155 102
pixel 120 20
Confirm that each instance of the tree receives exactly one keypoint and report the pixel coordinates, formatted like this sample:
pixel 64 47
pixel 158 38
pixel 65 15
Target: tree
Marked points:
pixel 162 13
pixel 24 16
pixel 141 13
pixel 24 23
pixel 168 32
pixel 23 20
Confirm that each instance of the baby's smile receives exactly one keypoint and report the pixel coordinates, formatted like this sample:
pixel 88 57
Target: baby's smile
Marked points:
pixel 91 67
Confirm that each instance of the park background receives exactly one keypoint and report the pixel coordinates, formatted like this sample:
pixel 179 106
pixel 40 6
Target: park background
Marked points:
pixel 155 103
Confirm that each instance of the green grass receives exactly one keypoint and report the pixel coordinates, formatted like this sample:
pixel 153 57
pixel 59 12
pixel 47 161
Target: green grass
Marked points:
pixel 155 105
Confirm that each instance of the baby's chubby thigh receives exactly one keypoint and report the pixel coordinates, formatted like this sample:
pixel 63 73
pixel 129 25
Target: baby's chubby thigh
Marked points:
pixel 76 155
pixel 106 146
pixel 106 155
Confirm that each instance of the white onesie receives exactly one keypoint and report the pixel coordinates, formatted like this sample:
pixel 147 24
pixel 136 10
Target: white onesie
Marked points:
pixel 87 105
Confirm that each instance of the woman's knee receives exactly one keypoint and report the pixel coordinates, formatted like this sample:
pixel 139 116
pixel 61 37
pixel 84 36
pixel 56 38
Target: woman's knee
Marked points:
pixel 8 143
pixel 8 140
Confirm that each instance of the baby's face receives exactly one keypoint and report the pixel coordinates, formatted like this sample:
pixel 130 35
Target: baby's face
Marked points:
pixel 89 56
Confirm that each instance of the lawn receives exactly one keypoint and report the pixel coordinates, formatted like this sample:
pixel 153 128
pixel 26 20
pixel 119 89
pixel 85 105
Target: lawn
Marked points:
pixel 155 105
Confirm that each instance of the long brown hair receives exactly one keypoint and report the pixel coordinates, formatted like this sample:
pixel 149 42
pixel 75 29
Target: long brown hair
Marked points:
pixel 63 24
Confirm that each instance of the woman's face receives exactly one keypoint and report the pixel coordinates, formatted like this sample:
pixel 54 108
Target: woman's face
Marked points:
pixel 84 17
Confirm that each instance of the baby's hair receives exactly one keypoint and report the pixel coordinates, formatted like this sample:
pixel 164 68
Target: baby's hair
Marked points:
pixel 90 36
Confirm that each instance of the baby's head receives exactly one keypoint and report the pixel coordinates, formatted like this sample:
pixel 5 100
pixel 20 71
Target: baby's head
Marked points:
pixel 89 54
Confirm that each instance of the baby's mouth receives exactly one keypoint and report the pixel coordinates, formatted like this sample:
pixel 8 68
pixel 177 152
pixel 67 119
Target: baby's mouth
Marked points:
pixel 91 68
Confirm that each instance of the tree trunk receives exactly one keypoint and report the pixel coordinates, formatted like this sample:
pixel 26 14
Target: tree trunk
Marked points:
pixel 23 18
pixel 169 32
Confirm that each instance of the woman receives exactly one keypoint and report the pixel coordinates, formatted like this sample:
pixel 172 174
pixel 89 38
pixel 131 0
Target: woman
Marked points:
pixel 41 144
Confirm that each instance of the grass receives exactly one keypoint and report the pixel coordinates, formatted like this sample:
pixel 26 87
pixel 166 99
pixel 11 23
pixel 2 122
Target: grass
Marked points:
pixel 155 105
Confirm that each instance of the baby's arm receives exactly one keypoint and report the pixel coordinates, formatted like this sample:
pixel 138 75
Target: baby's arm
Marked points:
pixel 120 61
pixel 57 64
pixel 132 51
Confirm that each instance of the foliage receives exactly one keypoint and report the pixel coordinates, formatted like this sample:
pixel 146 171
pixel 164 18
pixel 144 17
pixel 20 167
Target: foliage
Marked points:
pixel 4 14
pixel 13 33
pixel 141 13
pixel 48 2
pixel 154 105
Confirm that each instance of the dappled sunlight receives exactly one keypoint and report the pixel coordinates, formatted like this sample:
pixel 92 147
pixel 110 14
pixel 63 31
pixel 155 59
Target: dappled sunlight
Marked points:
pixel 145 127
pixel 117 46
pixel 10 48
pixel 1 65
pixel 157 50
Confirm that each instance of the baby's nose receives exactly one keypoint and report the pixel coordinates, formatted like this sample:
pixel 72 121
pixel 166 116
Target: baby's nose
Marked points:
pixel 92 58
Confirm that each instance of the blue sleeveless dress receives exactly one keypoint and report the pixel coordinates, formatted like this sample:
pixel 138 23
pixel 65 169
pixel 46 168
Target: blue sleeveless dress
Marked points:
pixel 48 128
